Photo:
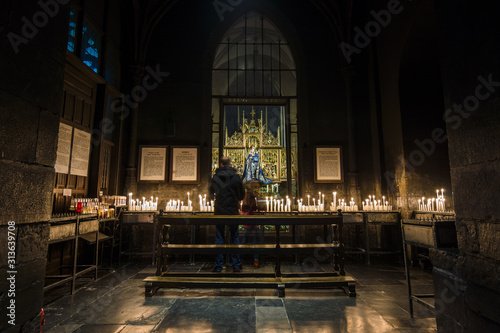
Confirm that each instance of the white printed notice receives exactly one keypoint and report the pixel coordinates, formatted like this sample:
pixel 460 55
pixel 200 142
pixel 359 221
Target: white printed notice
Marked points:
pixel 63 148
pixel 80 153
pixel 153 162
pixel 328 164
pixel 185 164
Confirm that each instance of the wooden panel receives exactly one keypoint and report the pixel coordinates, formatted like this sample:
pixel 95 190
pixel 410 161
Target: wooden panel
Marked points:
pixel 59 204
pixel 77 117
pixel 77 110
pixel 69 106
pixel 87 113
pixel 71 181
pixel 61 180
pixel 80 182
pixel 79 83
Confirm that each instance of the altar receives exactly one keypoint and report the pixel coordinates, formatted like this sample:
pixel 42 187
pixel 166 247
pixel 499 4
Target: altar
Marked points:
pixel 255 141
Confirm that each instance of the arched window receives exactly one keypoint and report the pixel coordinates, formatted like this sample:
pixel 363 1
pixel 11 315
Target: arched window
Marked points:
pixel 254 103
pixel 254 59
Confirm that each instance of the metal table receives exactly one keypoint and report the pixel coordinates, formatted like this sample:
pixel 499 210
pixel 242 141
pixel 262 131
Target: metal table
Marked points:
pixel 426 234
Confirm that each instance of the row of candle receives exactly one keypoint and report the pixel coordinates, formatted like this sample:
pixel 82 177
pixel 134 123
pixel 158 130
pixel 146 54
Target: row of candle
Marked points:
pixel 205 205
pixel 144 205
pixel 318 206
pixel 370 204
pixel 171 206
pixel 351 207
pixel 373 204
pixel 437 204
pixel 276 205
pixel 178 205
pixel 342 204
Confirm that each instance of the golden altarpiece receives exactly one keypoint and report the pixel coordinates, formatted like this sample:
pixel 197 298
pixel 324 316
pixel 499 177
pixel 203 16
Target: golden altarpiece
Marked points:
pixel 260 127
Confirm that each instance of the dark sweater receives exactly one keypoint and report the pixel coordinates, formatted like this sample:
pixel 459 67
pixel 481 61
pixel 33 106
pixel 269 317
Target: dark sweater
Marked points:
pixel 228 189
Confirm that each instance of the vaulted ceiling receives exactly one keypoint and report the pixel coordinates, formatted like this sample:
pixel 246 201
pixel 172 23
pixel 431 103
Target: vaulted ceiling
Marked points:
pixel 142 17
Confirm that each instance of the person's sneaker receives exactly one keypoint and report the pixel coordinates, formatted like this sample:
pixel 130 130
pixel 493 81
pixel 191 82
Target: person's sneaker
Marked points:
pixel 215 270
pixel 256 263
pixel 237 270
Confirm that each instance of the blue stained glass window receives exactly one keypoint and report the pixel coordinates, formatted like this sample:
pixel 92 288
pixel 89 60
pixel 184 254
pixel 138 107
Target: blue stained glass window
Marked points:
pixel 72 30
pixel 91 46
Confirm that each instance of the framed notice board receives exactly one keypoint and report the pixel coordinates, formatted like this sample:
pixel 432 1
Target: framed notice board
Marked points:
pixel 185 165
pixel 153 163
pixel 328 164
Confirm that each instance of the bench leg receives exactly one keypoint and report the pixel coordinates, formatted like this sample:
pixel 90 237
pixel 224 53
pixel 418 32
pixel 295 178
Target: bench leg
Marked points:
pixel 151 289
pixel 350 289
pixel 281 290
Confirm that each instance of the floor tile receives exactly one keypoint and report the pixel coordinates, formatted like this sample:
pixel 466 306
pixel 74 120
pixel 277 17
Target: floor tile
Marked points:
pixel 116 303
pixel 269 302
pixel 62 328
pixel 99 329
pixel 138 329
pixel 272 319
pixel 124 304
pixel 213 314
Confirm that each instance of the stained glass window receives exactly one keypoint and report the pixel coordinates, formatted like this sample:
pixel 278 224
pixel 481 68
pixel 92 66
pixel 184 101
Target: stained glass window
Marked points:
pixel 72 30
pixel 91 46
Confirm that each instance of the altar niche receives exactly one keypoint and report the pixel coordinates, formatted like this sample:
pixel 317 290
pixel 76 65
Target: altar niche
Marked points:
pixel 255 141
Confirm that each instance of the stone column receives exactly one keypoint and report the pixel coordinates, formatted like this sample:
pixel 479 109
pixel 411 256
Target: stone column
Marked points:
pixel 467 283
pixel 353 190
pixel 31 95
pixel 137 73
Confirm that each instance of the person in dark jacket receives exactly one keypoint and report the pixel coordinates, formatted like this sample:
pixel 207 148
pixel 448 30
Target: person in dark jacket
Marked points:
pixel 227 187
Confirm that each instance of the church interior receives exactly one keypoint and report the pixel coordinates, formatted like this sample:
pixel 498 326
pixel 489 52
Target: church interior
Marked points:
pixel 367 131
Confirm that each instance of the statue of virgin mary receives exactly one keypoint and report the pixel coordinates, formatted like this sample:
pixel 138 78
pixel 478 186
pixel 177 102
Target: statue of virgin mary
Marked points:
pixel 253 171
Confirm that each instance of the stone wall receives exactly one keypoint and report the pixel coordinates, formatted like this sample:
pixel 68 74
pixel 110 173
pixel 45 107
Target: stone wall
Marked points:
pixel 33 39
pixel 467 283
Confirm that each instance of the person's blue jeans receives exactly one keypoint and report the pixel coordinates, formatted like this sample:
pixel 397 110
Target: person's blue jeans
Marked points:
pixel 219 240
pixel 253 235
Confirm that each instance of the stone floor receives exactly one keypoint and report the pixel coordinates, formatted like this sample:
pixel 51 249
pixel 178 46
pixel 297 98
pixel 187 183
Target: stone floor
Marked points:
pixel 116 303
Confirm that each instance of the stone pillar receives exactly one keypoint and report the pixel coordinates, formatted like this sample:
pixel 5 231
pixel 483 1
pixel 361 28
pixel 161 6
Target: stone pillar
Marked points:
pixel 31 95
pixel 137 73
pixel 353 190
pixel 471 86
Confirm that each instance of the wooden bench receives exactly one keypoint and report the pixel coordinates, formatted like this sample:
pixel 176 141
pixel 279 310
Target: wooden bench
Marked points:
pixel 333 244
